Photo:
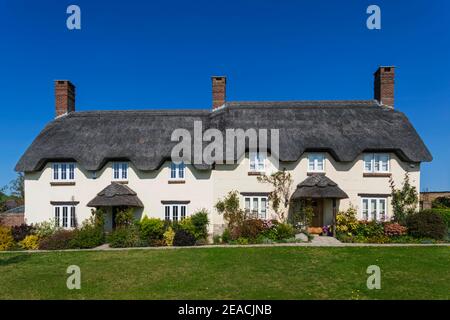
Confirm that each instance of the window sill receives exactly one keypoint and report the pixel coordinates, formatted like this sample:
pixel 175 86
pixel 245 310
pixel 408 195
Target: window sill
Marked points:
pixel 256 173
pixel 176 181
pixel 310 173
pixel 62 183
pixel 377 174
pixel 120 181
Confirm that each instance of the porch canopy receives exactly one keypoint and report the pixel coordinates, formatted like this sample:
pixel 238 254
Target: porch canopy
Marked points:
pixel 318 186
pixel 116 195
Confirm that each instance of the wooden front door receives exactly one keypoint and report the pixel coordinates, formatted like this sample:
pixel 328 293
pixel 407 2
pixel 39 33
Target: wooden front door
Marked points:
pixel 317 220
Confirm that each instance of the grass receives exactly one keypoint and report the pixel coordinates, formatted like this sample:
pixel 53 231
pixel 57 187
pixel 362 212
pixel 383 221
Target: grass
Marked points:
pixel 230 273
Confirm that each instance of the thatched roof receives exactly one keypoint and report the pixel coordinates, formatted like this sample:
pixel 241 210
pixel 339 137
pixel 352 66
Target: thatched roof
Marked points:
pixel 343 128
pixel 318 186
pixel 116 194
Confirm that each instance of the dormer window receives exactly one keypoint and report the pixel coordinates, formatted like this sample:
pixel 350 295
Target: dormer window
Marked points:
pixel 177 171
pixel 257 161
pixel 63 171
pixel 120 170
pixel 316 162
pixel 376 162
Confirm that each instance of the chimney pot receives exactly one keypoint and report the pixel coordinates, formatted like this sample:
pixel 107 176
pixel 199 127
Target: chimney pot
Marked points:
pixel 64 97
pixel 384 85
pixel 218 91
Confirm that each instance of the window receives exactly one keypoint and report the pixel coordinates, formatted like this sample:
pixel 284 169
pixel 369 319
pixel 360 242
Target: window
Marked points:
pixel 63 171
pixel 257 161
pixel 316 162
pixel 177 170
pixel 376 162
pixel 374 209
pixel 175 212
pixel 65 216
pixel 256 207
pixel 120 170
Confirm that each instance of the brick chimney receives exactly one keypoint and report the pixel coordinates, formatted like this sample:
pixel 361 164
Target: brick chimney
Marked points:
pixel 384 86
pixel 64 97
pixel 218 91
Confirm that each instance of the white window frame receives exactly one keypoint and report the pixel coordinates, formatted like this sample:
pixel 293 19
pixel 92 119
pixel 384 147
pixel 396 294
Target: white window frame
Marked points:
pixel 314 157
pixel 121 168
pixel 181 211
pixel 374 159
pixel 63 171
pixel 177 171
pixel 257 161
pixel 262 214
pixel 368 214
pixel 65 216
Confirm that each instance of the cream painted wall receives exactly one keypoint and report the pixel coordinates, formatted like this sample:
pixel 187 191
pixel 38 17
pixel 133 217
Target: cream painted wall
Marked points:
pixel 204 188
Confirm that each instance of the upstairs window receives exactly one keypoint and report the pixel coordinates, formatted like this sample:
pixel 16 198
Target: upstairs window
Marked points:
pixel 257 161
pixel 120 170
pixel 316 162
pixel 63 171
pixel 376 162
pixel 256 207
pixel 65 217
pixel 374 209
pixel 177 170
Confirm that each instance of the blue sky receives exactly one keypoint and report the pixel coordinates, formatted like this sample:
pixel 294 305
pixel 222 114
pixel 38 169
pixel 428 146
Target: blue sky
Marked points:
pixel 161 54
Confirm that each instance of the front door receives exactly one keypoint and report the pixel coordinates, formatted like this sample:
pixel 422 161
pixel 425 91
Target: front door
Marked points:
pixel 317 220
pixel 115 210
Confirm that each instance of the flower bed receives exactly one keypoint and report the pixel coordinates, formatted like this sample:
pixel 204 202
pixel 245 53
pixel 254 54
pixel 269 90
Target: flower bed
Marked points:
pixel 421 227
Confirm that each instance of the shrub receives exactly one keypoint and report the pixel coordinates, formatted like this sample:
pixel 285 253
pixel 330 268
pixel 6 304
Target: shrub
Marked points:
pixel 20 232
pixel 91 233
pixel 226 236
pixel 89 236
pixel 242 240
pixel 183 238
pixel 394 229
pixel 252 228
pixel 152 228
pixel 285 231
pixel 346 221
pixel 369 229
pixel 217 239
pixel 441 203
pixel 427 224
pixel 57 241
pixel 271 233
pixel 125 217
pixel 201 242
pixel 125 236
pixel 45 229
pixel 445 214
pixel 168 236
pixel 30 242
pixel 6 239
pixel 200 222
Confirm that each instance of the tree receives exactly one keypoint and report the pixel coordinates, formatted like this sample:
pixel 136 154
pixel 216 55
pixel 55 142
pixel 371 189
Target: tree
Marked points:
pixel 280 195
pixel 404 201
pixel 16 186
pixel 230 208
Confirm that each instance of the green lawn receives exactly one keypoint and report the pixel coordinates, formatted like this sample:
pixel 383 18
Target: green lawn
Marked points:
pixel 230 273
